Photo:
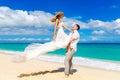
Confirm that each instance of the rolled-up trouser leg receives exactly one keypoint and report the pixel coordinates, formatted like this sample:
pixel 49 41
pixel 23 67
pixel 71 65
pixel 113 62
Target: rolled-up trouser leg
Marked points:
pixel 68 61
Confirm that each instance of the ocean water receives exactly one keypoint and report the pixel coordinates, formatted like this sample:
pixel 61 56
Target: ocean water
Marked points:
pixel 97 51
pixel 99 55
pixel 103 51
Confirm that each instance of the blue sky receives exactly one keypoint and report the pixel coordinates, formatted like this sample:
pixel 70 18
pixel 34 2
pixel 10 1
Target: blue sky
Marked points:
pixel 28 20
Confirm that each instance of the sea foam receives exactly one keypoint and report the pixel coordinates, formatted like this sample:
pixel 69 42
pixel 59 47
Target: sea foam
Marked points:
pixel 95 63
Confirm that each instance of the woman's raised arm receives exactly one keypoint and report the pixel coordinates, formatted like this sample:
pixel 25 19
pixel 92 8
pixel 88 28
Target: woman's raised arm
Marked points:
pixel 55 26
pixel 67 28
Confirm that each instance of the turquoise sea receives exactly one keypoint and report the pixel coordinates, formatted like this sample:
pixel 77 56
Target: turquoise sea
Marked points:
pixel 104 51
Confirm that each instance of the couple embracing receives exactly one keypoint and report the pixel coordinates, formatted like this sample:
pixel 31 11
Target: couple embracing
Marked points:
pixel 60 40
pixel 72 40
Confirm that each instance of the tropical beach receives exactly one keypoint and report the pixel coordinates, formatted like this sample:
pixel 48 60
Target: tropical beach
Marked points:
pixel 45 70
pixel 39 40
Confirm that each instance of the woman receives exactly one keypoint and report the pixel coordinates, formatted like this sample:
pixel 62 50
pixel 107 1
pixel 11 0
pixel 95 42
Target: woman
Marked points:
pixel 57 20
pixel 60 40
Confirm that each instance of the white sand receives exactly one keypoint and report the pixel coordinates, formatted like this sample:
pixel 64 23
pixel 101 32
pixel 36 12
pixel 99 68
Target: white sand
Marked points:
pixel 43 70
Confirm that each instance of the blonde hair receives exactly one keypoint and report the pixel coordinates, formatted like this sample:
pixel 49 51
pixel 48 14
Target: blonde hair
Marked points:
pixel 57 16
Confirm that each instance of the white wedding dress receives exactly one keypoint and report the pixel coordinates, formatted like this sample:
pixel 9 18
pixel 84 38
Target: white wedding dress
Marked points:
pixel 35 49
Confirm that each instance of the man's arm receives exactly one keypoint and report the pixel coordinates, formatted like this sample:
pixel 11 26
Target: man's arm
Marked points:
pixel 73 39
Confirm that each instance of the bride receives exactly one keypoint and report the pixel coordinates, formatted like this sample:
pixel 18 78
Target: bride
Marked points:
pixel 60 40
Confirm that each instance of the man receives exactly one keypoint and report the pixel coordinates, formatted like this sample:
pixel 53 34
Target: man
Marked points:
pixel 71 49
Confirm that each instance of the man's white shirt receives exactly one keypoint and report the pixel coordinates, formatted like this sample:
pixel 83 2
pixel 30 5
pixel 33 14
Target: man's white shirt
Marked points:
pixel 75 35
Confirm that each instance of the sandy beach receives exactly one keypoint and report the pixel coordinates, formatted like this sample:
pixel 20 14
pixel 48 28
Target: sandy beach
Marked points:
pixel 44 70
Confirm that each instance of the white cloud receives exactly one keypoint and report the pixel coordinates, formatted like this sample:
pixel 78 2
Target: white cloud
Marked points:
pixel 69 22
pixel 25 39
pixel 20 18
pixel 24 31
pixel 97 24
pixel 117 20
pixel 94 38
pixel 117 31
pixel 98 32
pixel 19 22
pixel 83 40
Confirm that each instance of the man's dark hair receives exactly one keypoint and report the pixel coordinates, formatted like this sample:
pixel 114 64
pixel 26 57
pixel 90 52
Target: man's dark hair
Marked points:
pixel 78 26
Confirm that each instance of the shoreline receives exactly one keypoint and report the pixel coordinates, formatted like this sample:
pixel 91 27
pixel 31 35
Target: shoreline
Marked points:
pixel 80 61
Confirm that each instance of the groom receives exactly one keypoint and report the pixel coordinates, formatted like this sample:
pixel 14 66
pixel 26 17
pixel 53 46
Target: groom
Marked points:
pixel 71 49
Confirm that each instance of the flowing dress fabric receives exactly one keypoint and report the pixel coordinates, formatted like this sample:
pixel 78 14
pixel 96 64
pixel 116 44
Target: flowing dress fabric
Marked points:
pixel 35 49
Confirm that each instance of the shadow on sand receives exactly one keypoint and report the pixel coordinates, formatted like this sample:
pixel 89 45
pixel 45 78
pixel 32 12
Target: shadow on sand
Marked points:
pixel 44 72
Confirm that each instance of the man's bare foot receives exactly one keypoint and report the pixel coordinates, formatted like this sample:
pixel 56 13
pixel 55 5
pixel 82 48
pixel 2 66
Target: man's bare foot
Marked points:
pixel 66 75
